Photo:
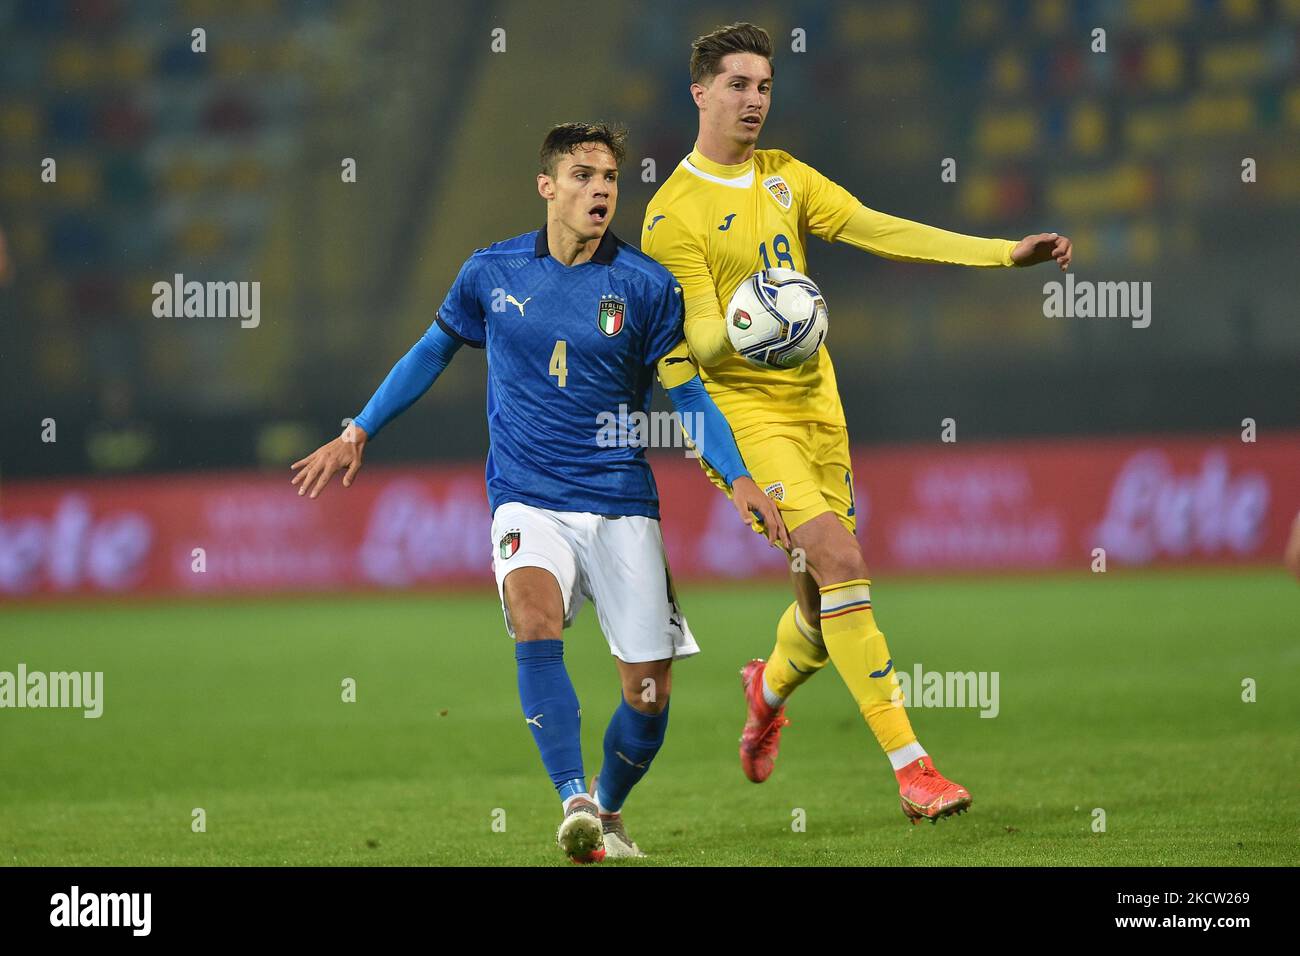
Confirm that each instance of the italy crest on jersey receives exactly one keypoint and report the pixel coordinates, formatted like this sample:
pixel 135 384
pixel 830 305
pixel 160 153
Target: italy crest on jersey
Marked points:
pixel 779 190
pixel 610 315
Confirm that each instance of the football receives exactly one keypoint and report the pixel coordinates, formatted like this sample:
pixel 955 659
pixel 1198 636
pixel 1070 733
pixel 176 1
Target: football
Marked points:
pixel 777 318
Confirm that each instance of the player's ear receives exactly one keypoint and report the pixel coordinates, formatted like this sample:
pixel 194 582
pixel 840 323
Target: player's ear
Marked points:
pixel 697 94
pixel 545 187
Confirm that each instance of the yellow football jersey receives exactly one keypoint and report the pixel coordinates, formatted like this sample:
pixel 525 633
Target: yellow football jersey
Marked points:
pixel 713 226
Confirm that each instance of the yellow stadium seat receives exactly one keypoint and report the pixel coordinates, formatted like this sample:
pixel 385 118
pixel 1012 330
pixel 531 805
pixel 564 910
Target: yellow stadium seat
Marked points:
pixel 236 59
pixel 982 18
pixel 19 184
pixel 1087 129
pixel 79 180
pixel 1010 133
pixel 184 175
pixel 19 123
pixel 1009 72
pixel 1236 64
pixel 1145 240
pixel 202 238
pixel 246 174
pixel 979 196
pixel 1050 16
pixel 853 25
pixel 74 65
pixel 1158 14
pixel 1163 64
pixel 1219 114
pixel 1150 130
pixel 129 61
pixel 1241 11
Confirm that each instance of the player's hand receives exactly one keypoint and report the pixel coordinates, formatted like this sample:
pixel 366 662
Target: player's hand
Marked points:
pixel 1045 246
pixel 342 453
pixel 751 502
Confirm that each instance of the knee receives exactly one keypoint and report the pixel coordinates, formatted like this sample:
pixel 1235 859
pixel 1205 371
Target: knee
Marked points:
pixel 843 562
pixel 534 624
pixel 647 694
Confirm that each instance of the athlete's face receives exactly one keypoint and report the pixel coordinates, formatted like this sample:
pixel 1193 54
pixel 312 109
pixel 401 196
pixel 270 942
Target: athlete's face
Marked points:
pixel 734 104
pixel 584 190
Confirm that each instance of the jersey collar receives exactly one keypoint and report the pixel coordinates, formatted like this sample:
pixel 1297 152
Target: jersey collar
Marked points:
pixel 740 176
pixel 604 254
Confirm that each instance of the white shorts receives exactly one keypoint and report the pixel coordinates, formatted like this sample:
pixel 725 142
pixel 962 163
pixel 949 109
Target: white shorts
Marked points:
pixel 618 563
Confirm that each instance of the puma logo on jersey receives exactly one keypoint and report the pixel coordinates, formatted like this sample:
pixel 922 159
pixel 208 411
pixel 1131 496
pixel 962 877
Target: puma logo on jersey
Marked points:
pixel 517 304
pixel 726 223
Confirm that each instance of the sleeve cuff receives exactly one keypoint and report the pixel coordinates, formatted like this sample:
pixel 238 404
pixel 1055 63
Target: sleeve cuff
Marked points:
pixel 456 335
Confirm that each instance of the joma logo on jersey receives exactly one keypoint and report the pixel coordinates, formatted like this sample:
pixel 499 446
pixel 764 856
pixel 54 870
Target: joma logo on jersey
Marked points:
pixel 509 545
pixel 610 315
pixel 779 190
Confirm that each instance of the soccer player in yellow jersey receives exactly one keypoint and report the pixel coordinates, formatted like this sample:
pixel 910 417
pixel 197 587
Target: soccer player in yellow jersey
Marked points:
pixel 727 211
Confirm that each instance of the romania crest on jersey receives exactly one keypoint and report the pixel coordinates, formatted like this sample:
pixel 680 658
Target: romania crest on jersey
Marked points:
pixel 779 190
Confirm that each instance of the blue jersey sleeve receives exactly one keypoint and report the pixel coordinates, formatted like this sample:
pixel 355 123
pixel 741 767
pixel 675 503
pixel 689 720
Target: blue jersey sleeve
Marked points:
pixel 409 379
pixel 708 429
pixel 461 314
pixel 666 324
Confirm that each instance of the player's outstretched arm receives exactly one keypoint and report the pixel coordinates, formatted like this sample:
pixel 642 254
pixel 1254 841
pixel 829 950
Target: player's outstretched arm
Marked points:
pixel 407 381
pixel 907 241
pixel 711 435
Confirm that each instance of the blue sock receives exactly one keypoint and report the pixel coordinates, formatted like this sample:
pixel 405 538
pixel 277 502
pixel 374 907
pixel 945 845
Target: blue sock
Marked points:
pixel 551 710
pixel 631 741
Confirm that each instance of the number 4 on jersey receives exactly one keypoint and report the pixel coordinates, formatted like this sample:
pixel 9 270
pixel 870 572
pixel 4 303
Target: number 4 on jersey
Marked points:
pixel 559 362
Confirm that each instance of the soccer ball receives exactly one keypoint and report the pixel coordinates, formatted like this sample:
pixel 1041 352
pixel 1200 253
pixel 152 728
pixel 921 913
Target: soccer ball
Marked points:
pixel 777 318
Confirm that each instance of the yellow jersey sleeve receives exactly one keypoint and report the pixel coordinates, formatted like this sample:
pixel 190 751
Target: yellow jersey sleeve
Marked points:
pixel 827 205
pixel 670 243
pixel 676 368
pixel 909 241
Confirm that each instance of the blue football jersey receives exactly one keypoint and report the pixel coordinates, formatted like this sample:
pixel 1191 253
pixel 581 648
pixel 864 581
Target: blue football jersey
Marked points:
pixel 564 345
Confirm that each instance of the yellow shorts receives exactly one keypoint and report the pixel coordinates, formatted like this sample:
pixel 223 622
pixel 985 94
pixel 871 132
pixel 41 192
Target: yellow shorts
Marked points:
pixel 803 466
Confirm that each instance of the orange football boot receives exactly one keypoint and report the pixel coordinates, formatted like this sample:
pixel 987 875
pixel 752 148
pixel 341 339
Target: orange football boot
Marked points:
pixel 927 795
pixel 761 738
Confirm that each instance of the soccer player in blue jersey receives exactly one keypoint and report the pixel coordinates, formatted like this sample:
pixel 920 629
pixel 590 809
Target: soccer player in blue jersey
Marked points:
pixel 575 323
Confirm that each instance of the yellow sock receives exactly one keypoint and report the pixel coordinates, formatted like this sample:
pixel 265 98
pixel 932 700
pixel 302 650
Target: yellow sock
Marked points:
pixel 799 653
pixel 861 656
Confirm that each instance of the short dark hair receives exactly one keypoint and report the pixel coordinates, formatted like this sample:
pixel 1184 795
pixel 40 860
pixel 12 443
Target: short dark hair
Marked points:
pixel 707 51
pixel 562 140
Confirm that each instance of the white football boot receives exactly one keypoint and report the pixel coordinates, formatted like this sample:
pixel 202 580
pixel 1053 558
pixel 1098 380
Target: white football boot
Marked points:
pixel 580 832
pixel 618 845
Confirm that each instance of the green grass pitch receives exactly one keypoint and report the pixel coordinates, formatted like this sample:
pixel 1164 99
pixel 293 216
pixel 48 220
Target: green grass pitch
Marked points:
pixel 1120 691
